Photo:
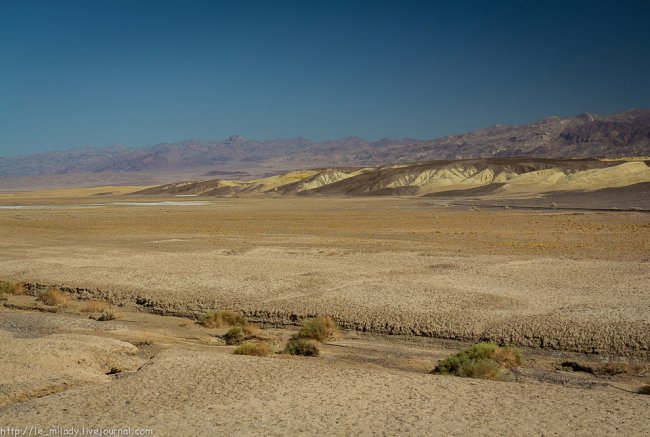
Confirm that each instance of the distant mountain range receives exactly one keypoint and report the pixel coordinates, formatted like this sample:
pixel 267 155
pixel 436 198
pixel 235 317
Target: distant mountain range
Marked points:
pixel 581 136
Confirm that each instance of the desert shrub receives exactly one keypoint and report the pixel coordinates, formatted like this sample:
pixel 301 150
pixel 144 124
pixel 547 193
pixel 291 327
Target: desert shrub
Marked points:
pixel 302 346
pixel 320 328
pixel 508 356
pixel 11 287
pixel 53 297
pixel 3 296
pixel 255 349
pixel 482 360
pixel 617 368
pixel 216 319
pixel 106 316
pixel 94 306
pixel 142 342
pixel 237 334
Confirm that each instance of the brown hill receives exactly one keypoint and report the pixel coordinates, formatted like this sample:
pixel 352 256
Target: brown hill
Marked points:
pixel 496 178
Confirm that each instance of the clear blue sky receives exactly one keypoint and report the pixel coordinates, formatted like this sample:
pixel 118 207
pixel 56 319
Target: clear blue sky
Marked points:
pixel 135 72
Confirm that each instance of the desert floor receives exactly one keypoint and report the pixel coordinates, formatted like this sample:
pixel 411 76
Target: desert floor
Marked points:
pixel 563 285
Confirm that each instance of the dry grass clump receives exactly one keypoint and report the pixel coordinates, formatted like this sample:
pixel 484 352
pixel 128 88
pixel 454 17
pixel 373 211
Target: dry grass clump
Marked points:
pixel 319 328
pixel 313 331
pixel 94 306
pixel 217 319
pixel 302 346
pixel 618 368
pixel 11 287
pixel 254 349
pixel 237 334
pixel 482 361
pixel 53 297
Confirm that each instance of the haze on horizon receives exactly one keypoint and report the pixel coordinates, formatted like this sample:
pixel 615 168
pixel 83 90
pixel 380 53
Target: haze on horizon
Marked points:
pixel 96 73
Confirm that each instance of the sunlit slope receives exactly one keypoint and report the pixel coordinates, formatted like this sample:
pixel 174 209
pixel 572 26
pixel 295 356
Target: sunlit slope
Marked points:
pixel 511 175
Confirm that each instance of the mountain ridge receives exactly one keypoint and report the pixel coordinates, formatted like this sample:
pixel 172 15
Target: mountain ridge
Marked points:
pixel 581 136
pixel 499 176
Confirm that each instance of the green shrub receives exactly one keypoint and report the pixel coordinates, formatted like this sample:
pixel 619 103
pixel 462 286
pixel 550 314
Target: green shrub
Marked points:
pixel 216 319
pixel 320 328
pixel 255 349
pixel 237 334
pixel 302 346
pixel 482 360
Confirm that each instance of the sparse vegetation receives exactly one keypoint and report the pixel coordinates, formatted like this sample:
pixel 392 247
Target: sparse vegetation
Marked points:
pixel 53 297
pixel 319 328
pixel 217 319
pixel 106 316
pixel 313 331
pixel 255 349
pixel 302 346
pixel 237 334
pixel 142 342
pixel 482 360
pixel 11 287
pixel 94 306
pixel 612 369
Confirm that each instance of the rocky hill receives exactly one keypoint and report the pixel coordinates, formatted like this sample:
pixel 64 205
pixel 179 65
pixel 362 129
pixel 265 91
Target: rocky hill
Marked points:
pixel 582 136
pixel 502 176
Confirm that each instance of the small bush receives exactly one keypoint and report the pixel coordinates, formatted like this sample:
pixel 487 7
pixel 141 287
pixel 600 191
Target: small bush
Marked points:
pixel 94 306
pixel 237 334
pixel 3 296
pixel 106 316
pixel 11 287
pixel 53 297
pixel 320 328
pixel 483 360
pixel 301 346
pixel 508 356
pixel 617 368
pixel 255 349
pixel 216 319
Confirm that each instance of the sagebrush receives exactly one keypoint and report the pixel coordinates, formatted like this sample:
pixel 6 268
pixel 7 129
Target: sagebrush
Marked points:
pixel 11 287
pixel 53 297
pixel 237 334
pixel 302 346
pixel 217 319
pixel 255 349
pixel 483 360
pixel 319 328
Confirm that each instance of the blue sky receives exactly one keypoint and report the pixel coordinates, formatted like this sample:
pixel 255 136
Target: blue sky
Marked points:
pixel 97 72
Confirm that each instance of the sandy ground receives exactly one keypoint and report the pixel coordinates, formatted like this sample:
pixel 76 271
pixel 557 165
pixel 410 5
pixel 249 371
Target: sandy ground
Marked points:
pixel 176 378
pixel 557 283
pixel 569 281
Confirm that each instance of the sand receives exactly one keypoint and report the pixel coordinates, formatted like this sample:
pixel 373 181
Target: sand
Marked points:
pixel 559 284
pixel 181 380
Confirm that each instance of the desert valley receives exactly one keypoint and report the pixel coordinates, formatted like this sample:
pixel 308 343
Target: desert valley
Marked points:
pixel 109 291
